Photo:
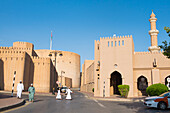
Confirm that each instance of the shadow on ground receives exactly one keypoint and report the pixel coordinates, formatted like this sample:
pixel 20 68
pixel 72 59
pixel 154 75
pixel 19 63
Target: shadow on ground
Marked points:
pixel 2 95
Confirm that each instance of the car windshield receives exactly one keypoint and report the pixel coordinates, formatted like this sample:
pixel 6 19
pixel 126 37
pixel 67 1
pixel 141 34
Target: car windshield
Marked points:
pixel 64 88
pixel 165 94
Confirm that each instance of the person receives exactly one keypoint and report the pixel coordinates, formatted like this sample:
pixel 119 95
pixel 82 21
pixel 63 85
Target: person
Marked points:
pixel 58 94
pixel 20 87
pixel 168 85
pixel 31 91
pixel 68 92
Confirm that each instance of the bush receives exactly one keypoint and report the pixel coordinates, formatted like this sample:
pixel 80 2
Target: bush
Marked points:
pixel 124 90
pixel 93 89
pixel 156 89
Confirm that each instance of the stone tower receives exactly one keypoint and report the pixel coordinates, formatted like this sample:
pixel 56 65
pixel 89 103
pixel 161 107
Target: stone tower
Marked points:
pixel 153 33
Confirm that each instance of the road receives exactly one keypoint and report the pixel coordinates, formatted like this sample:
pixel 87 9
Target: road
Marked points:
pixel 81 104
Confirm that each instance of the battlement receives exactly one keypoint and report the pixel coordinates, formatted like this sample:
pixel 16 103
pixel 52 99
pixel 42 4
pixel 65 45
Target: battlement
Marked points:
pixel 23 45
pixel 114 37
pixel 37 59
pixel 147 52
pixel 6 48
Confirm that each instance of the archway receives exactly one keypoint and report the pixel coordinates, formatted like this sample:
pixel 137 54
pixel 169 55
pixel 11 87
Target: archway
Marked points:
pixel 166 82
pixel 115 80
pixel 142 84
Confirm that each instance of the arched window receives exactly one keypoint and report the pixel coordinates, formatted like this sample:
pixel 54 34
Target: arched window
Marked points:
pixel 112 43
pixel 108 43
pixel 119 43
pixel 115 43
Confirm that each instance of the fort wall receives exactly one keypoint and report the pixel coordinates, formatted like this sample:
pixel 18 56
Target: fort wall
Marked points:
pixel 12 61
pixel 42 75
pixel 68 62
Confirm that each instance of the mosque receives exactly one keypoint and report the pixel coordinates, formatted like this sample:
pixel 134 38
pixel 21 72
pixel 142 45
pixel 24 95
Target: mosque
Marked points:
pixel 115 63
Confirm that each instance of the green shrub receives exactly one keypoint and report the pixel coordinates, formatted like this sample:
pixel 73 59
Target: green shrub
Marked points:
pixel 124 90
pixel 93 89
pixel 156 89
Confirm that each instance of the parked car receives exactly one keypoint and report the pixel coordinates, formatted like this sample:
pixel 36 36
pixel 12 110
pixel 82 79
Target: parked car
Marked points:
pixel 160 102
pixel 63 89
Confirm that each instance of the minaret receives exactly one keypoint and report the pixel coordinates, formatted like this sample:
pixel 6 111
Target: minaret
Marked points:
pixel 153 33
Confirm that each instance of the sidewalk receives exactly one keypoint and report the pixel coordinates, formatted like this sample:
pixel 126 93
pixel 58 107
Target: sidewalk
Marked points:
pixel 8 102
pixel 114 98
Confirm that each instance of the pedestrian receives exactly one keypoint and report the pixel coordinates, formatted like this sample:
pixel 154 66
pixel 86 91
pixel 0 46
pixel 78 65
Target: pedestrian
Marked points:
pixel 68 92
pixel 20 87
pixel 31 91
pixel 168 85
pixel 58 95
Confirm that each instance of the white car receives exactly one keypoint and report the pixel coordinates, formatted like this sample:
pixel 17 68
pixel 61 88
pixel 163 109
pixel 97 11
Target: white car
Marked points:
pixel 160 102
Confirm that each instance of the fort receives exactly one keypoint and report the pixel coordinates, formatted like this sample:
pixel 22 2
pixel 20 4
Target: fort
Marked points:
pixel 115 63
pixel 37 67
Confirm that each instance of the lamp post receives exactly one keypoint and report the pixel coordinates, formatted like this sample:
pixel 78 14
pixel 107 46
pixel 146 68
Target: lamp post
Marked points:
pixel 62 76
pixel 55 56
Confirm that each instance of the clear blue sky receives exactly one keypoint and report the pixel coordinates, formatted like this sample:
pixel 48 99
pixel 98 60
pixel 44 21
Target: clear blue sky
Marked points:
pixel 77 23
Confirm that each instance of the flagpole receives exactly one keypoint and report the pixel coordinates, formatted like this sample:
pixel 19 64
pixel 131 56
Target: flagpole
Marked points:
pixel 51 41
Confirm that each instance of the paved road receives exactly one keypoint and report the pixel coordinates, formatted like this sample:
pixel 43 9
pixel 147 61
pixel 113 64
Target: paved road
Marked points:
pixel 81 104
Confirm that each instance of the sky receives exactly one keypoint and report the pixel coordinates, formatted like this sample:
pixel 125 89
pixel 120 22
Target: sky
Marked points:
pixel 76 24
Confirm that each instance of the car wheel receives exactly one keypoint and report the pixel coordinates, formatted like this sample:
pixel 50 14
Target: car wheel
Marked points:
pixel 162 105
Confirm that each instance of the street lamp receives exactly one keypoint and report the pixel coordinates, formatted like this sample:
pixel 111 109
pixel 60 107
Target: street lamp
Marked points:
pixel 55 55
pixel 62 76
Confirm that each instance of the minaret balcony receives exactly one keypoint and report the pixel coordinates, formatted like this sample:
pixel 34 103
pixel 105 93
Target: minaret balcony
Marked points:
pixel 153 32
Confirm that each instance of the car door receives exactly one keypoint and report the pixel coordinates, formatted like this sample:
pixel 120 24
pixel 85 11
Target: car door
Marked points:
pixel 168 100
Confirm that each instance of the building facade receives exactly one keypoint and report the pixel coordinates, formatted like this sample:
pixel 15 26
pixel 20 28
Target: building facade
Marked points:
pixel 116 63
pixel 37 67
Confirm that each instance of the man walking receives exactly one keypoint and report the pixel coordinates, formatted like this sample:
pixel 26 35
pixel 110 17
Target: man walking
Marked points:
pixel 31 91
pixel 20 87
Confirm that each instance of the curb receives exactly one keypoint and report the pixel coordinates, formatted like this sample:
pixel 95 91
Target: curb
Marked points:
pixel 13 106
pixel 26 93
pixel 118 100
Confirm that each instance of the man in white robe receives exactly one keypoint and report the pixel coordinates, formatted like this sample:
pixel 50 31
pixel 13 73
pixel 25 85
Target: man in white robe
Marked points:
pixel 68 92
pixel 58 95
pixel 20 87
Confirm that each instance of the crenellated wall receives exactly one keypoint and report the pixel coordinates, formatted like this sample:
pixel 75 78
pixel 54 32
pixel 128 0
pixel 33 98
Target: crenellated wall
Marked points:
pixel 42 75
pixel 29 68
pixel 13 60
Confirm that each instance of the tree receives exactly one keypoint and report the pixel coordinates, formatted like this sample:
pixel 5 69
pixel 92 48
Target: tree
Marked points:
pixel 166 46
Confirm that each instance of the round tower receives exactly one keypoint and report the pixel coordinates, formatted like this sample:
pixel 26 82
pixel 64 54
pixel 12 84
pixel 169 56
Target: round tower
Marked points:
pixel 153 34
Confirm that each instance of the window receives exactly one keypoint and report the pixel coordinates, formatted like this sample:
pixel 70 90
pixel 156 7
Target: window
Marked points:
pixel 108 43
pixel 98 83
pixel 119 43
pixel 98 46
pixel 112 43
pixel 123 42
pixel 115 43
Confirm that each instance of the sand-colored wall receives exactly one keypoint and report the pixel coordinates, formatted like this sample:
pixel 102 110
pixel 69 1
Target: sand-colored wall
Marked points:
pixel 42 76
pixel 1 74
pixel 69 62
pixel 29 69
pixel 12 61
pixel 87 76
pixel 111 56
pixel 143 66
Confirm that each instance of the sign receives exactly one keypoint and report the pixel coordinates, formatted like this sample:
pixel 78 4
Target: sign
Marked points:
pixel 57 82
